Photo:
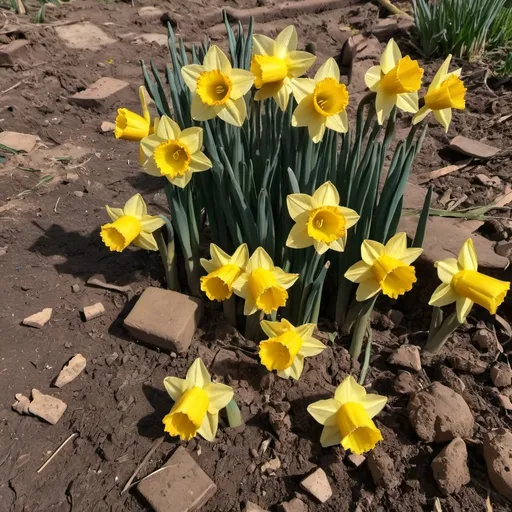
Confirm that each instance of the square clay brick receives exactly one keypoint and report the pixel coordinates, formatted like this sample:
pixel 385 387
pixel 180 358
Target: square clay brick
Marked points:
pixel 102 93
pixel 13 52
pixel 165 319
pixel 181 487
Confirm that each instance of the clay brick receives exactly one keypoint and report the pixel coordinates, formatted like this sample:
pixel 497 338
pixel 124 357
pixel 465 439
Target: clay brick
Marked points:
pixel 83 36
pixel 46 407
pixel 102 93
pixel 19 141
pixel 317 485
pixel 38 320
pixel 12 53
pixel 94 311
pixel 181 487
pixel 165 319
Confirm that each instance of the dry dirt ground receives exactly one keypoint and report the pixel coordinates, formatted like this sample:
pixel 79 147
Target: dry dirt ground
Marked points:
pixel 51 206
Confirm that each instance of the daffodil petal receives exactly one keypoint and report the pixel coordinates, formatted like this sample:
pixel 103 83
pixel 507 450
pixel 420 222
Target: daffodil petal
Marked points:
pixel 358 272
pixel 302 87
pixel 372 77
pixel 298 237
pixel 295 370
pixel 396 246
pixel 146 241
pixel 262 45
pixel 443 295
pixel 150 223
pixel 384 103
pixel 373 404
pixel 299 203
pixel 219 395
pixel 198 375
pixel 351 217
pixel 299 62
pixel 192 138
pixel 283 278
pixel 463 307
pixel 151 168
pixel 408 102
pixel 234 112
pixel 305 331
pixel 135 207
pixel 330 436
pixel 286 41
pixel 371 250
pixel 219 256
pixel 250 306
pixel 149 144
pixel 241 286
pixel 199 162
pixel 240 256
pixel 242 81
pixel 190 75
pixel 167 129
pixel 390 56
pixel 468 259
pixel 441 73
pixel 260 259
pixel 324 411
pixel 282 97
pixel 338 245
pixel 444 117
pixel 312 347
pixel 269 90
pixel 175 387
pixel 114 213
pixel 316 129
pixel 446 269
pixel 367 290
pixel 329 69
pixel 209 266
pixel 411 255
pixel 349 391
pixel 201 111
pixel 338 122
pixel 216 59
pixel 421 114
pixel 208 429
pixel 181 181
pixel 271 329
pixel 320 247
pixel 326 195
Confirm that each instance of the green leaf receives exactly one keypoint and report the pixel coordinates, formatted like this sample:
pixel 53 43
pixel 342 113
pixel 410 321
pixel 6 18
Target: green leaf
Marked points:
pixel 422 223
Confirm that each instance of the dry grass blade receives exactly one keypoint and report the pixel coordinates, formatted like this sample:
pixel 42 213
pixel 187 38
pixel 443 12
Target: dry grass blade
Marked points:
pixel 488 506
pixel 437 506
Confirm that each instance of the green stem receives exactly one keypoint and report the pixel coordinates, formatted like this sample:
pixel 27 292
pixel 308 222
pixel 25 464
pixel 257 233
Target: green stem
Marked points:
pixel 229 309
pixel 447 328
pixel 435 321
pixel 360 328
pixel 168 260
pixel 252 327
pixel 367 354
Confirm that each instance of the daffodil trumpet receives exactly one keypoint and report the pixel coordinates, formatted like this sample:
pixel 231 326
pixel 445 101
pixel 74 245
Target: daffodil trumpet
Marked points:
pixel 463 284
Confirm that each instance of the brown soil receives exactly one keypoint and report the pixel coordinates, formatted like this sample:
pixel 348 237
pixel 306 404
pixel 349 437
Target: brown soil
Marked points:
pixel 117 404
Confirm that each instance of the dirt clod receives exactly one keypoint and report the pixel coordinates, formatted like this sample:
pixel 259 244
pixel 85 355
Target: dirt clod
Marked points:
pixel 466 361
pixel 317 485
pixel 501 375
pixel 382 469
pixel 407 356
pixel 498 457
pixel 440 414
pixel 406 383
pixel 484 339
pixel 294 505
pixel 450 467
pixel 46 407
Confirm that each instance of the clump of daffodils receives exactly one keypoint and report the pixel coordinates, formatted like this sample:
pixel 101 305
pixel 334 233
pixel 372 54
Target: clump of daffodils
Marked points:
pixel 197 402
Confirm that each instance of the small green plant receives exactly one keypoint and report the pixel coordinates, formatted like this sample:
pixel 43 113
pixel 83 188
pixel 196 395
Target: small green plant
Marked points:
pixel 22 7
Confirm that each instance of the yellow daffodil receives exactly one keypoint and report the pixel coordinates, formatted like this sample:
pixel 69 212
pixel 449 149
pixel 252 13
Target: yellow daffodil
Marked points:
pixel 287 347
pixel 319 220
pixel 464 285
pixel 396 82
pixel 132 126
pixel 321 102
pixel 385 268
pixel 217 88
pixel 197 402
pixel 263 285
pixel 347 418
pixel 173 153
pixel 446 91
pixel 131 225
pixel 275 64
pixel 223 270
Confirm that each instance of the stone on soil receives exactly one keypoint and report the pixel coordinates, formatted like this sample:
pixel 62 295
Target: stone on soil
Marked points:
pixel 181 487
pixel 165 319
pixel 473 147
pixel 46 407
pixel 484 339
pixel 407 356
pixel 94 311
pixel 19 141
pixel 107 126
pixel 450 467
pixel 504 248
pixel 449 378
pixel 498 457
pixel 505 402
pixel 440 414
pixel 466 361
pixel 38 320
pixel 150 12
pixel 406 383
pixel 252 507
pixel 71 371
pixel 385 29
pixel 102 93
pixel 356 459
pixel 271 466
pixel 83 36
pixel 501 375
pixel 160 39
pixel 22 404
pixel 294 505
pixel 75 288
pixel 317 485
pixel 382 469
pixel 13 53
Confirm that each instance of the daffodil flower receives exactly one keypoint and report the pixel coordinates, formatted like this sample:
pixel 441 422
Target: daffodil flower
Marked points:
pixel 132 126
pixel 321 102
pixel 275 64
pixel 197 402
pixel 263 285
pixel 131 225
pixel 446 91
pixel 347 418
pixel 287 347
pixel 319 220
pixel 385 268
pixel 174 153
pixel 217 88
pixel 223 270
pixel 464 285
pixel 396 82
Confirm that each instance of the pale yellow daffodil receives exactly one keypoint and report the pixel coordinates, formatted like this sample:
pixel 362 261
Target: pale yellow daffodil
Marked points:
pixel 131 225
pixel 276 63
pixel 446 91
pixel 385 268
pixel 464 285
pixel 347 418
pixel 287 347
pixel 217 88
pixel 197 402
pixel 174 153
pixel 132 126
pixel 263 285
pixel 321 101
pixel 223 270
pixel 319 220
pixel 396 82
